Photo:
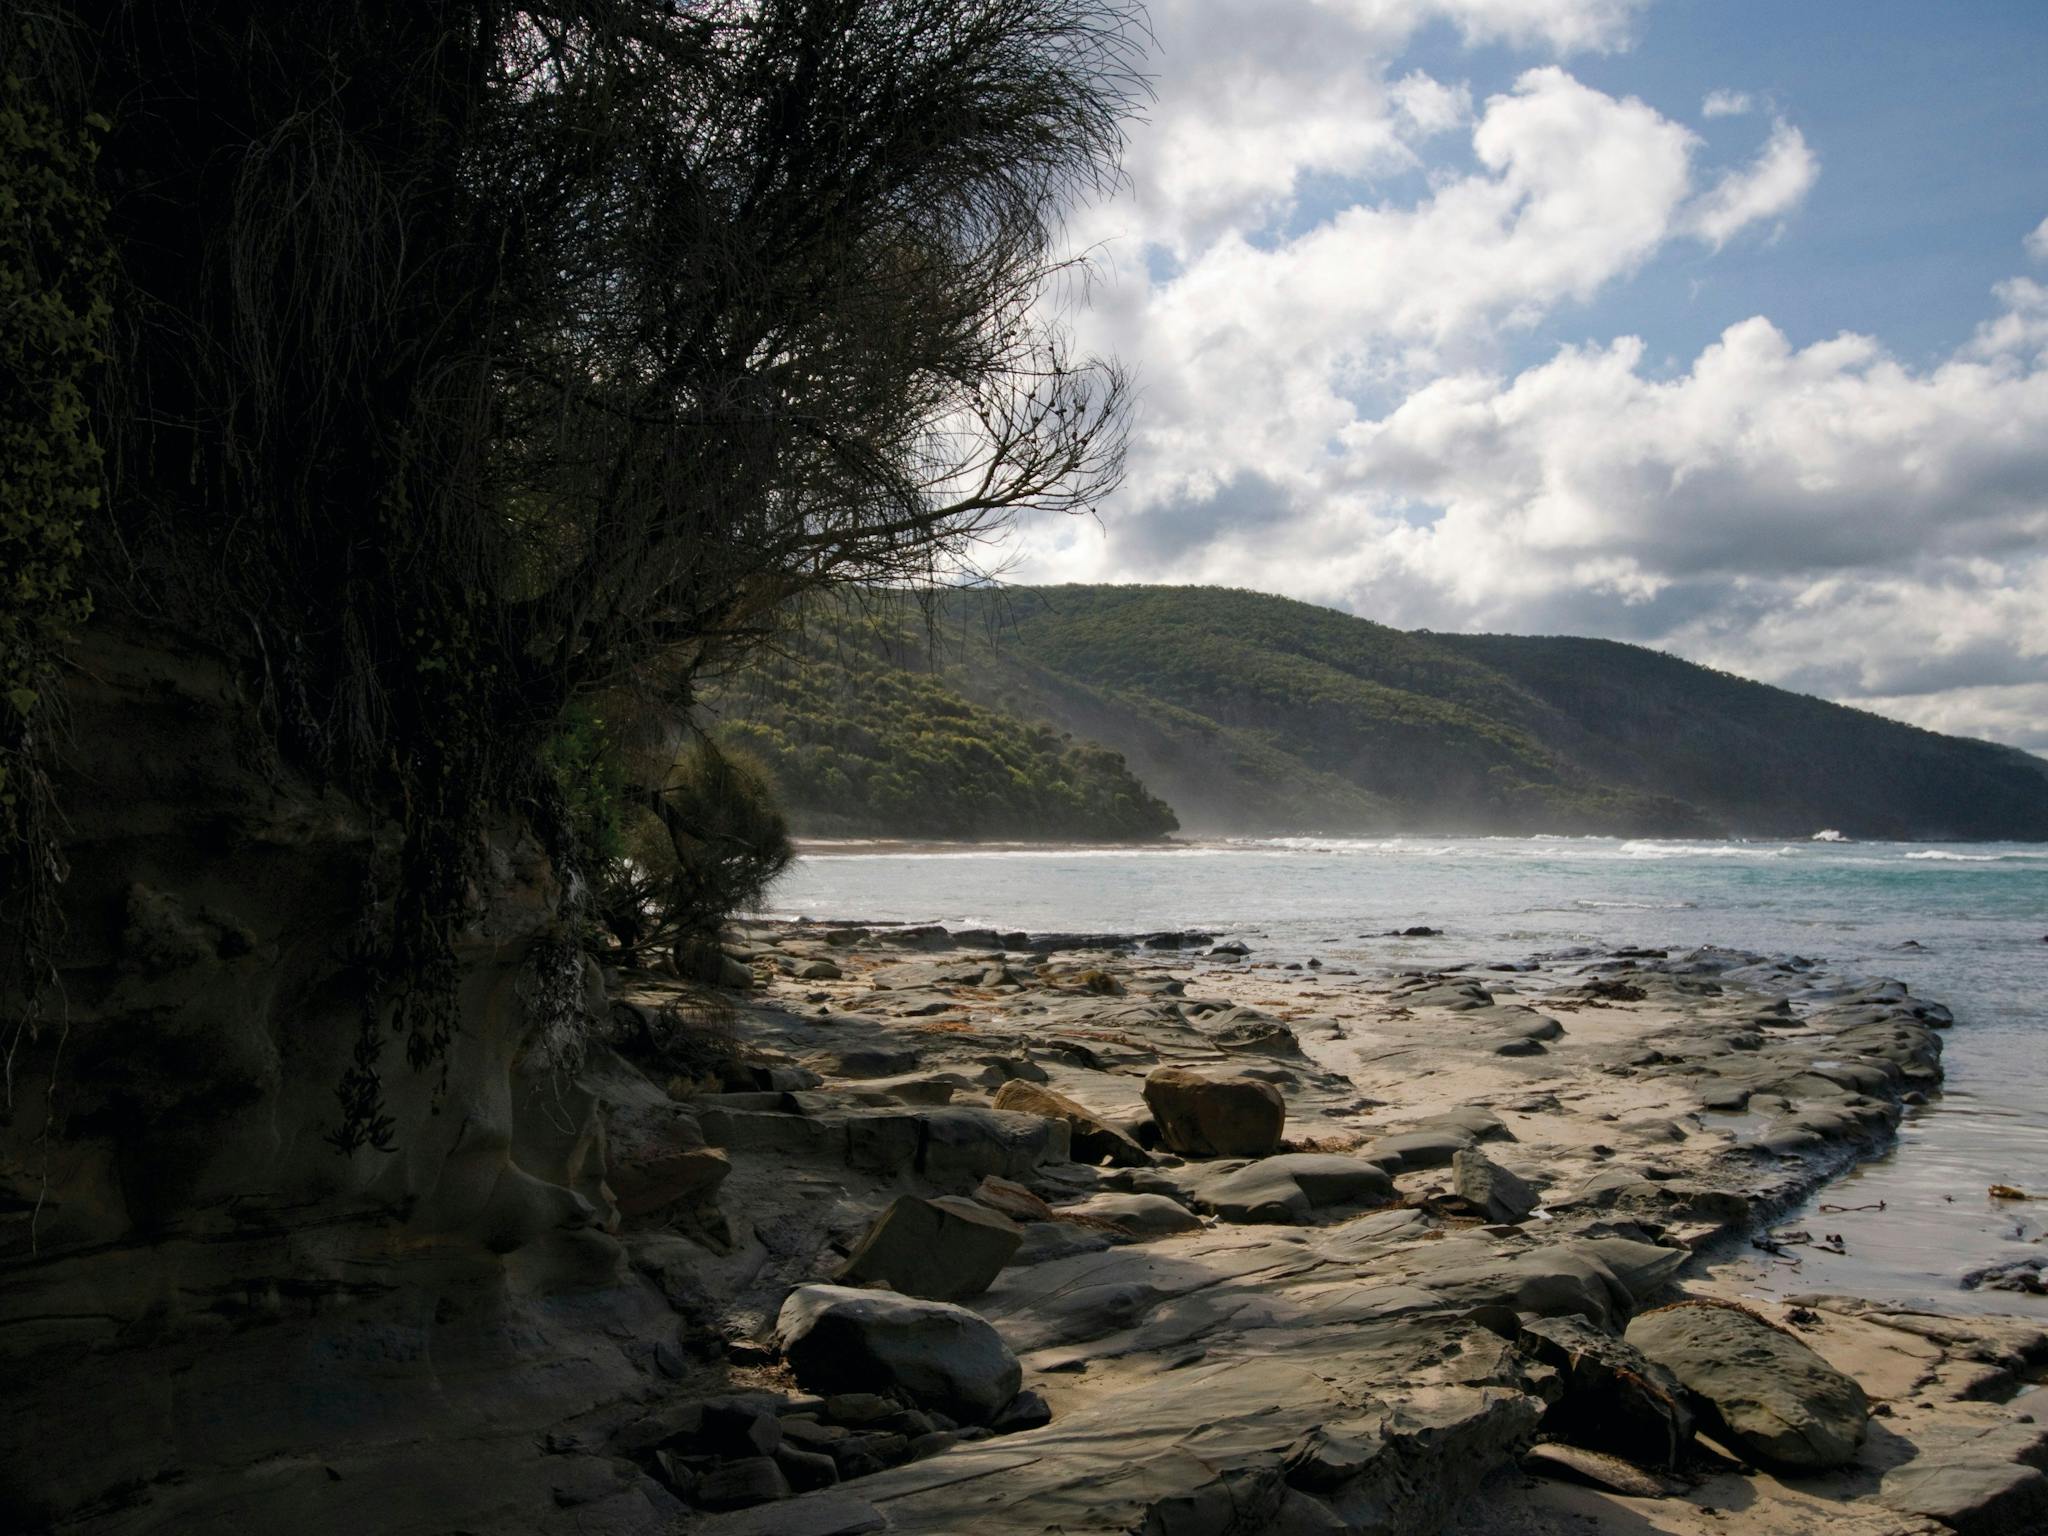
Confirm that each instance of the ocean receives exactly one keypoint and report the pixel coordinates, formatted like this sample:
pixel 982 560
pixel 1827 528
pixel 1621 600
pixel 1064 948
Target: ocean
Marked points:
pixel 1965 924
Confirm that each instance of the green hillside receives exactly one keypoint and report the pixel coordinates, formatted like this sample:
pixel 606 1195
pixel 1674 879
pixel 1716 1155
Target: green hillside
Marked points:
pixel 862 739
pixel 1250 713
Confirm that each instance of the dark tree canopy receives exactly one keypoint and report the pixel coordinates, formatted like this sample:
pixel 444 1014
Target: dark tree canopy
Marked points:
pixel 468 359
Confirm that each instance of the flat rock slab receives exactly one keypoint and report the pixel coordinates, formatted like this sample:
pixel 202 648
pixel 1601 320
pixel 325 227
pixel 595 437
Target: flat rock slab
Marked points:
pixel 1974 1494
pixel 1772 1397
pixel 1146 1215
pixel 1291 1187
pixel 1373 1415
pixel 823 1514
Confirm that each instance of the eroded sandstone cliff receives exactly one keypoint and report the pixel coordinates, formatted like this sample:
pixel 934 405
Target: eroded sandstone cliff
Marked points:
pixel 208 1316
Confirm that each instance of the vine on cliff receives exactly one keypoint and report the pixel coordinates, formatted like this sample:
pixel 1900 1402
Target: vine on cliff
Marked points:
pixel 54 310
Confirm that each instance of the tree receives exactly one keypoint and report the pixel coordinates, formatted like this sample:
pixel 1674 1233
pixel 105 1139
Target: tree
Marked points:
pixel 470 359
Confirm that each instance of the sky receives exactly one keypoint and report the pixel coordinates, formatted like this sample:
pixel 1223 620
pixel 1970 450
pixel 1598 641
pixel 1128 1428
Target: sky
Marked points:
pixel 1719 326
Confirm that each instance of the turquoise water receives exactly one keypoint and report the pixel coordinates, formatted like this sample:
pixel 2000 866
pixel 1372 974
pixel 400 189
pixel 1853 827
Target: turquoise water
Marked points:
pixel 1962 923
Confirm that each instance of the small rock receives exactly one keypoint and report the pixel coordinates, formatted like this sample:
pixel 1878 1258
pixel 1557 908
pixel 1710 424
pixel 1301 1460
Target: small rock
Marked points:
pixel 820 970
pixel 1144 1215
pixel 1215 1117
pixel 807 1470
pixel 1429 1147
pixel 641 1186
pixel 858 1408
pixel 810 1435
pixel 1012 1200
pixel 1027 1410
pixel 1290 1187
pixel 1578 1465
pixel 859 1455
pixel 1491 1190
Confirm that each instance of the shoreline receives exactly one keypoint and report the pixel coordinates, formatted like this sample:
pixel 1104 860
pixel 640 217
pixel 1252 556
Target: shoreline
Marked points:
pixel 828 847
pixel 1666 1107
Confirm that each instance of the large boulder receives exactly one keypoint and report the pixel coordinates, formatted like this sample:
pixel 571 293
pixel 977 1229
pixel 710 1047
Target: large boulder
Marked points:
pixel 1761 1388
pixel 1094 1140
pixel 1215 1117
pixel 943 1250
pixel 941 1356
pixel 1290 1187
pixel 1614 1398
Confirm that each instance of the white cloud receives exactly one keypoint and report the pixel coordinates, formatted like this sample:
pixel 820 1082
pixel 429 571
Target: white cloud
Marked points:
pixel 1430 107
pixel 1773 186
pixel 1566 26
pixel 1726 104
pixel 1324 257
pixel 2037 242
pixel 2021 327
pixel 1825 517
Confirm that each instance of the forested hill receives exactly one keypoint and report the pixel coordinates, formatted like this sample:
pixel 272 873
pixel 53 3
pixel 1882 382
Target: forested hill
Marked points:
pixel 862 737
pixel 1251 713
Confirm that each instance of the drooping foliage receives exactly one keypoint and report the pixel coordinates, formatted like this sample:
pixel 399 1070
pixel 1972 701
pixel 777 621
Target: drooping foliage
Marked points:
pixel 54 273
pixel 472 359
pixel 670 842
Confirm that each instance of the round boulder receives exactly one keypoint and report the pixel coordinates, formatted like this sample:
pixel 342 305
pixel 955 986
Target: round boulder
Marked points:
pixel 1215 1116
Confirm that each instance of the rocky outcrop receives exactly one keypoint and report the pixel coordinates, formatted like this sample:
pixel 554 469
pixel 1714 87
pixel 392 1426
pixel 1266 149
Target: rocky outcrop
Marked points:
pixel 209 1318
pixel 1611 1397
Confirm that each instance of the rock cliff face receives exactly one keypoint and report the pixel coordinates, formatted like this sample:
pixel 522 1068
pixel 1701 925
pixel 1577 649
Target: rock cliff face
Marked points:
pixel 210 1318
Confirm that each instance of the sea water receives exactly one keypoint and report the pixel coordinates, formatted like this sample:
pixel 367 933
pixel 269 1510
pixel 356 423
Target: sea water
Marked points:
pixel 1965 924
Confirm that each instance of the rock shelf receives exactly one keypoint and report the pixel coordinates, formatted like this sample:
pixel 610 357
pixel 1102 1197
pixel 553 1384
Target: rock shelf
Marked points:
pixel 1368 1327
pixel 929 1232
